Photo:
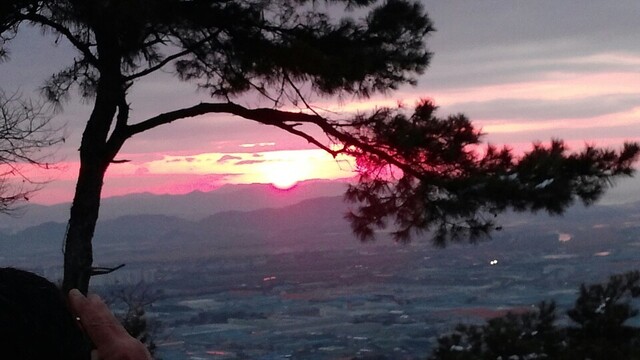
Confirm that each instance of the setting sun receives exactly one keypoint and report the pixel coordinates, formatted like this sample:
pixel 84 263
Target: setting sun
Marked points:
pixel 286 174
pixel 284 180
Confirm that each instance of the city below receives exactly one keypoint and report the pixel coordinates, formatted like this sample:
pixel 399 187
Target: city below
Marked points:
pixel 292 282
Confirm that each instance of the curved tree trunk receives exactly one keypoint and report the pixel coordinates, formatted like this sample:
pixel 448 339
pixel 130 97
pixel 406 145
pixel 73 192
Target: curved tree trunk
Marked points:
pixel 95 157
pixel 78 251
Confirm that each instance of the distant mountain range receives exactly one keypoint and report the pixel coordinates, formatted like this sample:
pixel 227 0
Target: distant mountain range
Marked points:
pixel 312 224
pixel 192 206
pixel 256 219
pixel 239 218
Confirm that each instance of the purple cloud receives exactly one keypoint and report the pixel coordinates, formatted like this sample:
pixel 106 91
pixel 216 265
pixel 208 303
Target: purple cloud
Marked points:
pixel 226 158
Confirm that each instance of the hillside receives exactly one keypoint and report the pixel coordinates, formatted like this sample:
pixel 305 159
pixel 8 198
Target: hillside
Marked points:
pixel 192 206
pixel 312 224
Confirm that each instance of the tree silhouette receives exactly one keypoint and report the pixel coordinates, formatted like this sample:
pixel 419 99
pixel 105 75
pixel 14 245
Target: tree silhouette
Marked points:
pixel 419 171
pixel 601 313
pixel 504 337
pixel 130 303
pixel 599 331
pixel 449 184
pixel 25 129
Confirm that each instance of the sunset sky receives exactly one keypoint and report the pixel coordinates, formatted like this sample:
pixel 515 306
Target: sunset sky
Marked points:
pixel 521 70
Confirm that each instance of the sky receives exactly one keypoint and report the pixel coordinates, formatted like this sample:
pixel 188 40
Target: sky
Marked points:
pixel 522 71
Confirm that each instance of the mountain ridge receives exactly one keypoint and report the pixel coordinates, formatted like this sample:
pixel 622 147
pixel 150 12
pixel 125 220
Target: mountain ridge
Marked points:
pixel 310 225
pixel 191 206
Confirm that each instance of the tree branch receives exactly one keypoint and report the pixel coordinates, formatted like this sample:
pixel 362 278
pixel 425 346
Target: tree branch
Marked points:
pixel 105 270
pixel 158 66
pixel 82 47
pixel 282 119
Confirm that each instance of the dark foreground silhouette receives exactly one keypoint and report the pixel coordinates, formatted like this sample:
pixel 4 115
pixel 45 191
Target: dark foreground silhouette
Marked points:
pixel 35 323
pixel 599 329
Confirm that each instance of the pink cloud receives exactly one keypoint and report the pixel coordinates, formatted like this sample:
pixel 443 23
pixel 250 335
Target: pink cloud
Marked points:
pixel 141 170
pixel 260 144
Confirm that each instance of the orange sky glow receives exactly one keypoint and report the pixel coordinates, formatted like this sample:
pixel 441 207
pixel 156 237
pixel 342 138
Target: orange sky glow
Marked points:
pixel 518 76
pixel 179 174
pixel 256 163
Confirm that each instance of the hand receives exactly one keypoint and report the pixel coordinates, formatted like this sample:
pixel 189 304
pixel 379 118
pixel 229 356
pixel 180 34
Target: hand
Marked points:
pixel 111 340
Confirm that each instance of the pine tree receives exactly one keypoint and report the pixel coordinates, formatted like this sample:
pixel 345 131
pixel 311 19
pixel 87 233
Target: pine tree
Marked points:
pixel 419 172
pixel 600 330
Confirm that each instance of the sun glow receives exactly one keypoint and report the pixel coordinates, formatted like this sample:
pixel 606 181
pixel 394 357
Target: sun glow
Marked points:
pixel 283 169
pixel 284 175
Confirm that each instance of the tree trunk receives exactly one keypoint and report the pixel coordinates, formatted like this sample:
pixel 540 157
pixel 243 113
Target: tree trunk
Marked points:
pixel 95 157
pixel 78 251
pixel 96 153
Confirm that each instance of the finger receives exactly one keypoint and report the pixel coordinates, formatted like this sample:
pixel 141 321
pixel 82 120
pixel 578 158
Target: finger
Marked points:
pixel 97 320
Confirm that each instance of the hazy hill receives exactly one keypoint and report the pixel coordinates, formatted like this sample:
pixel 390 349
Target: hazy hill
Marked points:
pixel 312 224
pixel 192 206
